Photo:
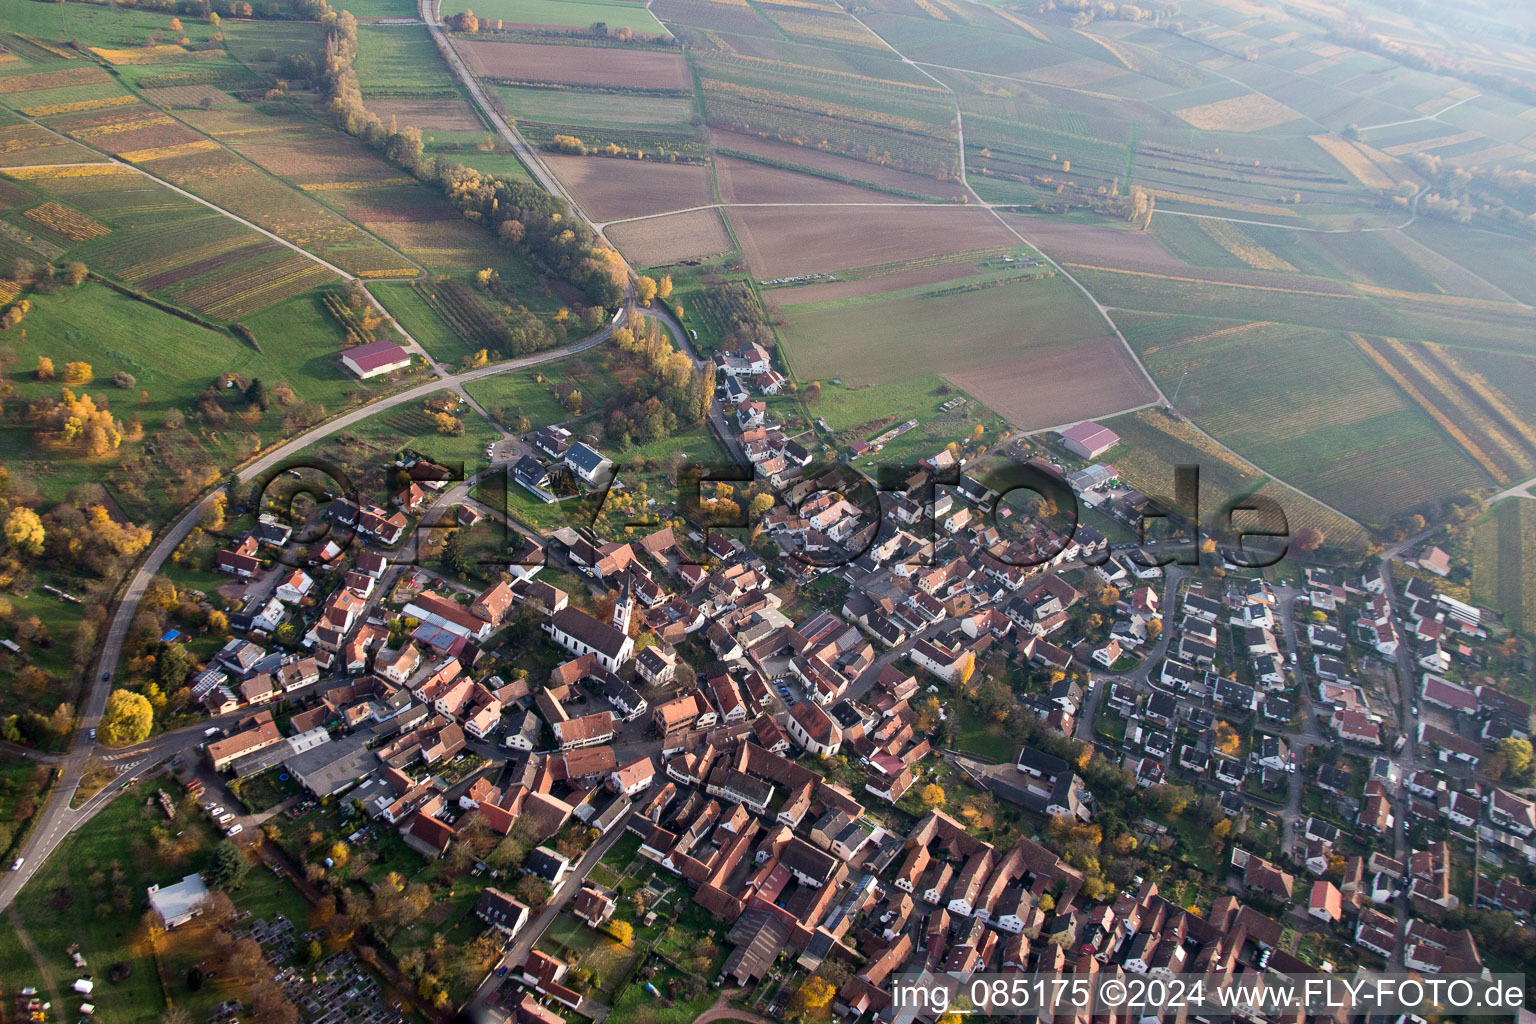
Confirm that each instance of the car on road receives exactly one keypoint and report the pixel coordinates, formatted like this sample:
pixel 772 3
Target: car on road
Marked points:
pixel 93 735
pixel 1415 710
pixel 17 863
pixel 106 677
pixel 235 830
pixel 501 972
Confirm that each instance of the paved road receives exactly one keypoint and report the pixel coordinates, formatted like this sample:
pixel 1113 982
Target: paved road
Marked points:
pixel 523 944
pixel 430 14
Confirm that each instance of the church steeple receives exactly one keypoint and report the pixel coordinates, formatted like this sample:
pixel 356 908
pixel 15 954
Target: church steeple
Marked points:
pixel 624 607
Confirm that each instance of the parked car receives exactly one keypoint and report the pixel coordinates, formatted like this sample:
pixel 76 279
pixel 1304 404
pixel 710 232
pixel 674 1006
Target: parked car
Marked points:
pixel 235 829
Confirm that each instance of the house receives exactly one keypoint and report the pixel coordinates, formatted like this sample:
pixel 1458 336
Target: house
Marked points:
pixel 523 732
pixel 587 463
pixel 222 753
pixel 1260 876
pixel 502 912
pixel 238 563
pixel 634 777
pixel 548 865
pixel 1325 903
pixel 531 474
pixel 1435 560
pixel 1089 440
pixel 493 603
pixel 179 903
pixel 593 906
pixel 586 731
pixel 294 587
pixel 375 359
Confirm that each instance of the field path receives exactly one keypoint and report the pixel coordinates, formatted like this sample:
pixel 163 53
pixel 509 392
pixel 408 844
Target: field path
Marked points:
pixel 430 13
pixel 410 342
pixel 1427 117
pixel 1102 309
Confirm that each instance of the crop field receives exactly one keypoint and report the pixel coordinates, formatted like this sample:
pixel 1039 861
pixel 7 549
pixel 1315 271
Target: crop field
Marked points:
pixel 784 242
pixel 328 159
pixel 747 181
pixel 574 14
pixel 229 182
pixel 474 320
pixel 832 166
pixel 437 335
pixel 863 132
pixel 1478 418
pixel 609 188
pixel 1174 293
pixel 28 144
pixel 1154 442
pixel 136 134
pixel 1371 167
pixel 1515 376
pixel 441 244
pixel 1508 262
pixel 255 281
pixel 656 241
pixel 1307 405
pixel 86 74
pixel 444 115
pixel 577 65
pixel 583 107
pixel 400 64
pixel 1252 112
pixel 1504 561
pixel 61 221
pixel 511 394
pixel 1047 388
pixel 166 244
pixel 1018 336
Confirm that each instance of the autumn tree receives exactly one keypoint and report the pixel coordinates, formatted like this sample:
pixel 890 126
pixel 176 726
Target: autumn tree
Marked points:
pixel 213 515
pixel 1309 538
pixel 813 999
pixel 44 369
pixel 645 289
pixel 24 529
pixel 933 795
pixel 127 719
pixel 1516 753
pixel 622 931
pixel 533 891
pixel 78 423
pixel 664 286
pixel 74 274
pixel 448 424
pixel 1227 739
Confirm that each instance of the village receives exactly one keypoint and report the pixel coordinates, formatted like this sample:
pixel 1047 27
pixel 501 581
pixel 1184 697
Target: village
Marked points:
pixel 834 747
